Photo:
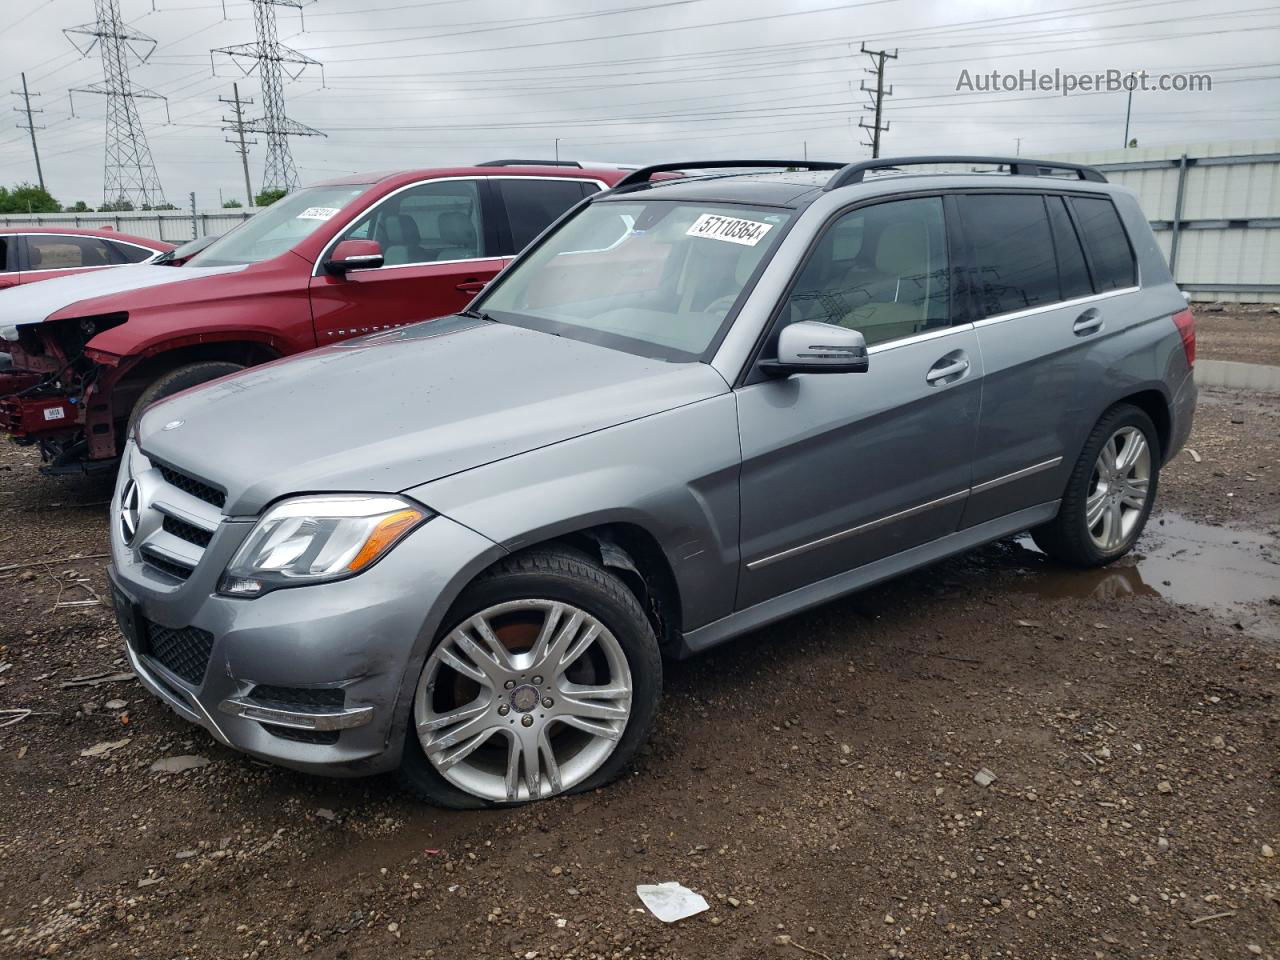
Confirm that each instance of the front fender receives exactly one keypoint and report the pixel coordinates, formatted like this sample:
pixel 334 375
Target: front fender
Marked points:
pixel 675 474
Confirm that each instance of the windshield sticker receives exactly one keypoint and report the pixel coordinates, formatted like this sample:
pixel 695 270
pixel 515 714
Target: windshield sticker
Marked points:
pixel 730 229
pixel 317 213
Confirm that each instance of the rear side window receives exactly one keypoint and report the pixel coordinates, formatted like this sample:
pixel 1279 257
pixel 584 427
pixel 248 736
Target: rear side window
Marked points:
pixel 1012 250
pixel 7 264
pixel 1109 252
pixel 128 253
pixel 532 205
pixel 1073 275
pixel 49 252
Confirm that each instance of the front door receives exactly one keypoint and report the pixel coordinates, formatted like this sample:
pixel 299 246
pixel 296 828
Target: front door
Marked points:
pixel 842 469
pixel 439 249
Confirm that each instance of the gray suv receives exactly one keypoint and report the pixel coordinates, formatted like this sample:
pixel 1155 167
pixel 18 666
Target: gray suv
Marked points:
pixel 695 405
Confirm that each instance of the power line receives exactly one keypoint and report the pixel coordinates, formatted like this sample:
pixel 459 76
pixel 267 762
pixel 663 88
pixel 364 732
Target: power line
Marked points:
pixel 269 57
pixel 129 174
pixel 30 125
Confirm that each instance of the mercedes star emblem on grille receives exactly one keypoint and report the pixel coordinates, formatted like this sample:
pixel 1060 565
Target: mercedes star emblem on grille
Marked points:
pixel 129 511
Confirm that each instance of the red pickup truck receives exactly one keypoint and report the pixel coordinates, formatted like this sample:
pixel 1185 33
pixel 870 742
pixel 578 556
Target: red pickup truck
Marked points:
pixel 335 260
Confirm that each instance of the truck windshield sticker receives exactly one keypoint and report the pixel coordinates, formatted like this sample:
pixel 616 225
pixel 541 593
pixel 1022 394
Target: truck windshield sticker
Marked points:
pixel 317 213
pixel 730 229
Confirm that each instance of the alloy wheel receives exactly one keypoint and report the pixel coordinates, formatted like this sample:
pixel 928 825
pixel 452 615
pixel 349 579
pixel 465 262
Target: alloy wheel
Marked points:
pixel 523 700
pixel 1118 488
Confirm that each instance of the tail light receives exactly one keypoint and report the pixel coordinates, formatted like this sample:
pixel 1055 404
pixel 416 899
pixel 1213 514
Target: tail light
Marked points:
pixel 1185 321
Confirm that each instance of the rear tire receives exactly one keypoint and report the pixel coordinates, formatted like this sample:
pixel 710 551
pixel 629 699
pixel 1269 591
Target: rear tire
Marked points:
pixel 180 378
pixel 514 599
pixel 1108 496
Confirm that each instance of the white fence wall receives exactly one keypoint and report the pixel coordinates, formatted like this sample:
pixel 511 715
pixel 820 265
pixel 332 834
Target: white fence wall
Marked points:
pixel 172 226
pixel 1215 208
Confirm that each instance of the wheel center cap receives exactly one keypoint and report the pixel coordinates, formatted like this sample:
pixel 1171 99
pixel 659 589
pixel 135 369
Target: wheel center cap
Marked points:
pixel 524 699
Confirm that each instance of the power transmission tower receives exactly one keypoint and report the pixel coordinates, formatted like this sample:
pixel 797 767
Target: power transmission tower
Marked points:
pixel 878 57
pixel 236 126
pixel 30 125
pixel 272 59
pixel 129 174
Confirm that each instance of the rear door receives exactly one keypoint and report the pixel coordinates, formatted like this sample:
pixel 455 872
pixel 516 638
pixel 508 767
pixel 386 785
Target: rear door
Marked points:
pixel 440 245
pixel 10 275
pixel 1041 317
pixel 839 470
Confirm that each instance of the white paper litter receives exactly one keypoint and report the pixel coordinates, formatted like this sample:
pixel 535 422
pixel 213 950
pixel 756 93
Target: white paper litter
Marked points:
pixel 670 901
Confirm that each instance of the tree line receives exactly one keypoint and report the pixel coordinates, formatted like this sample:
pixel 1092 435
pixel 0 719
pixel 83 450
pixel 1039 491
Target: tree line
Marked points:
pixel 28 198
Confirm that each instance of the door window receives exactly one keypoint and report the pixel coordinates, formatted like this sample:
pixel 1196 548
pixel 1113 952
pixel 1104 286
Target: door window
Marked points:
pixel 431 222
pixel 533 205
pixel 1073 275
pixel 1013 256
pixel 67 253
pixel 128 253
pixel 881 270
pixel 8 262
pixel 1108 245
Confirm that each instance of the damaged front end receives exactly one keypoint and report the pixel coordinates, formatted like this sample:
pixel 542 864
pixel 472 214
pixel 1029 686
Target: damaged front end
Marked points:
pixel 56 393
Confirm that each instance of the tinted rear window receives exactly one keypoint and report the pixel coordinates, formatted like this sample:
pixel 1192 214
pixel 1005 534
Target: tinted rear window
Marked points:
pixel 1109 252
pixel 532 205
pixel 1073 275
pixel 5 265
pixel 1013 256
pixel 128 253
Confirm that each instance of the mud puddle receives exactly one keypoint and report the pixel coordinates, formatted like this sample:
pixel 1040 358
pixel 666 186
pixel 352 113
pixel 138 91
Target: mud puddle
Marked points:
pixel 1232 572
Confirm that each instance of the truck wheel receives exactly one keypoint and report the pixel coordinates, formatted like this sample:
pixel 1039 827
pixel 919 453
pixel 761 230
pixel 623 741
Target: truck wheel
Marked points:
pixel 1110 492
pixel 544 680
pixel 180 378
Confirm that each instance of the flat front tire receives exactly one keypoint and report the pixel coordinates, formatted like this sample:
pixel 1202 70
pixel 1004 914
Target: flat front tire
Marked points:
pixel 1109 494
pixel 545 679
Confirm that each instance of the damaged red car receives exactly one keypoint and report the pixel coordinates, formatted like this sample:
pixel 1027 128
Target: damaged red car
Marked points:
pixel 82 356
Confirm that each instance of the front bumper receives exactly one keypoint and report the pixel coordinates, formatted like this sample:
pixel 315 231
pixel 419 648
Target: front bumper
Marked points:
pixel 356 645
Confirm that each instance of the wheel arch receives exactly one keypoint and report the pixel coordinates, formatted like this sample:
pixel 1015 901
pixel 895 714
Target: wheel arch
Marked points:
pixel 1155 405
pixel 136 376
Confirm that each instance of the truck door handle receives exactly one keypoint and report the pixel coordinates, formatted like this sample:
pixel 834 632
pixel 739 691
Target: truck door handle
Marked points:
pixel 472 286
pixel 947 369
pixel 1088 322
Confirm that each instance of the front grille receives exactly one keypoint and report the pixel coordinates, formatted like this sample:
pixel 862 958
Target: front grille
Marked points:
pixel 301 736
pixel 199 490
pixel 167 566
pixel 184 651
pixel 305 699
pixel 187 531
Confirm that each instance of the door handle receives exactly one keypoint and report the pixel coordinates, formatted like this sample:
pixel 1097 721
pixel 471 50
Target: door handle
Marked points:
pixel 1088 322
pixel 472 286
pixel 945 370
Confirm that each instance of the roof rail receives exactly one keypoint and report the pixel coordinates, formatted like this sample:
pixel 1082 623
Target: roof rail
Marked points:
pixel 1018 166
pixel 645 174
pixel 529 163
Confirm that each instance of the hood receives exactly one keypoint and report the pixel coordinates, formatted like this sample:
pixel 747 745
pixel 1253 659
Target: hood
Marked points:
pixel 37 302
pixel 403 408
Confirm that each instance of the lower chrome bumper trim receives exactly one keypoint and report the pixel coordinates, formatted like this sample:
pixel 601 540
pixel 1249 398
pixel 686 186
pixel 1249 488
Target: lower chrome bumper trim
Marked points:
pixel 298 719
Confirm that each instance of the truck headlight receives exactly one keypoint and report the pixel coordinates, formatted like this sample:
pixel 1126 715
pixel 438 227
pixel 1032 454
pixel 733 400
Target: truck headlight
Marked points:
pixel 315 539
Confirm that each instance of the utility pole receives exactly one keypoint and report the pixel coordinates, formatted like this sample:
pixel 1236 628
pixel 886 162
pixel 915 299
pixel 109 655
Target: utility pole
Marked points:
pixel 195 231
pixel 129 173
pixel 272 60
pixel 1019 151
pixel 30 126
pixel 557 148
pixel 1128 110
pixel 878 57
pixel 237 127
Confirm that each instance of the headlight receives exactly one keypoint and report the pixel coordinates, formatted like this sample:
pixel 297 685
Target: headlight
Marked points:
pixel 315 539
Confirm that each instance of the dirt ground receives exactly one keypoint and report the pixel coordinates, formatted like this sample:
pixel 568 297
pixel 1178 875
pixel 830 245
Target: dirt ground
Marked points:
pixel 1246 332
pixel 815 781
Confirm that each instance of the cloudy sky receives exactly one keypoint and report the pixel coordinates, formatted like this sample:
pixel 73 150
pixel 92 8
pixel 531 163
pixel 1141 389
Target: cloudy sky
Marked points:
pixel 444 81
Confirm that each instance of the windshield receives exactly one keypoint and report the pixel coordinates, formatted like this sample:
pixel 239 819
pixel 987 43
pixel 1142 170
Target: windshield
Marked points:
pixel 279 227
pixel 652 277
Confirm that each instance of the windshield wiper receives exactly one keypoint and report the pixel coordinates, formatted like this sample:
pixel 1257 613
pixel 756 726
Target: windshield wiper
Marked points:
pixel 476 315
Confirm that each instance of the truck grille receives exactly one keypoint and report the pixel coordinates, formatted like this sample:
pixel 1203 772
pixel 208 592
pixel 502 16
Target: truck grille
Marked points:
pixel 184 651
pixel 198 489
pixel 187 531
pixel 181 571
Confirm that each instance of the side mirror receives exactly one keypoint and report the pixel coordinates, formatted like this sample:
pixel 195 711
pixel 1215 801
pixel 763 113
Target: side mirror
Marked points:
pixel 812 347
pixel 353 255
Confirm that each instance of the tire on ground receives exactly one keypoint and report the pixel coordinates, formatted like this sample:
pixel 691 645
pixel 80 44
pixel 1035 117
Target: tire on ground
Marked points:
pixel 180 378
pixel 564 574
pixel 1066 538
